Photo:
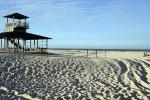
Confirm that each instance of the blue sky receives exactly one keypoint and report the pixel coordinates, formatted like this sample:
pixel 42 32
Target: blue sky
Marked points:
pixel 103 24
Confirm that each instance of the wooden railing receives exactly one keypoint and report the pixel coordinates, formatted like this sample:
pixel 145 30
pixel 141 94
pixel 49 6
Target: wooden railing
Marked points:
pixel 18 24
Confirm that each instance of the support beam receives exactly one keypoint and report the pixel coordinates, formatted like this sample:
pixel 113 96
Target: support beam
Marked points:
pixel 25 21
pixel 14 45
pixel 4 42
pixel 25 45
pixel 13 21
pixel 30 45
pixel 34 47
pixel 7 43
pixel 34 43
pixel 47 45
pixel 18 45
pixel 7 21
pixel 1 43
pixel 37 43
pixel 18 41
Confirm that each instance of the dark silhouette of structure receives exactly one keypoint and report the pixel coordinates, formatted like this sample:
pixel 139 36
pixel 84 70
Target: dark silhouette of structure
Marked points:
pixel 15 37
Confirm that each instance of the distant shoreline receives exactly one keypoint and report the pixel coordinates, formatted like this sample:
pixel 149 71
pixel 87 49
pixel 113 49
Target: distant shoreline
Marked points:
pixel 99 49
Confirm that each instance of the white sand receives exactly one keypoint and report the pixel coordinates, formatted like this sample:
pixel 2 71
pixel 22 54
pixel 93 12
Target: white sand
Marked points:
pixel 72 77
pixel 100 54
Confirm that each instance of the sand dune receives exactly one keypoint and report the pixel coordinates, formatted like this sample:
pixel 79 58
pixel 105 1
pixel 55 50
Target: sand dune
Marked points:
pixel 36 77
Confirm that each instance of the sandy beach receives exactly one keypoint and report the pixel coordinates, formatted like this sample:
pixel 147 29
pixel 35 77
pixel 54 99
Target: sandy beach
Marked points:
pixel 63 77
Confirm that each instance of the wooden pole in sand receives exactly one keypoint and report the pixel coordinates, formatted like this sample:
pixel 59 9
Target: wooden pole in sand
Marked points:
pixel 144 54
pixel 34 46
pixel 4 43
pixel 25 45
pixel 18 45
pixel 96 53
pixel 1 43
pixel 14 44
pixel 7 43
pixel 105 54
pixel 87 53
pixel 47 45
pixel 34 43
pixel 37 45
pixel 30 45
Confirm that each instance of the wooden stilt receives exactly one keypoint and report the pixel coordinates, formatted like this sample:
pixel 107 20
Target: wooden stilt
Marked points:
pixel 34 46
pixel 14 44
pixel 105 54
pixel 47 45
pixel 30 45
pixel 25 45
pixel 18 45
pixel 7 21
pixel 37 46
pixel 4 42
pixel 7 44
pixel 34 43
pixel 87 53
pixel 37 43
pixel 96 53
pixel 1 43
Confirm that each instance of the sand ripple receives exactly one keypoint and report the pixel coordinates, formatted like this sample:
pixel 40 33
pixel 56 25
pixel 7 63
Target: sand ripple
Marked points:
pixel 48 78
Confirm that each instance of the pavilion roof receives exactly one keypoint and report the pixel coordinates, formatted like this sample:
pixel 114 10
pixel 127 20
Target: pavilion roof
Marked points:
pixel 22 35
pixel 16 16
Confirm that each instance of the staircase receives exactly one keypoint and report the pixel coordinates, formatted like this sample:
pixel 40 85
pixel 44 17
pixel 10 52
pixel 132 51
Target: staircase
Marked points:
pixel 15 44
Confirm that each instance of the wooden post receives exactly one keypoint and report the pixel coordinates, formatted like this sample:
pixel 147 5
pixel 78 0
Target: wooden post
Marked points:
pixel 37 44
pixel 13 20
pixel 30 45
pixel 4 42
pixel 14 44
pixel 87 53
pixel 34 43
pixel 25 21
pixel 1 43
pixel 18 45
pixel 34 46
pixel 7 43
pixel 96 53
pixel 105 54
pixel 7 21
pixel 25 44
pixel 13 23
pixel 47 44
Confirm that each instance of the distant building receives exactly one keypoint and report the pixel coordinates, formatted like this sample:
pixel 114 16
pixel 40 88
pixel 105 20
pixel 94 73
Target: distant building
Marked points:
pixel 15 37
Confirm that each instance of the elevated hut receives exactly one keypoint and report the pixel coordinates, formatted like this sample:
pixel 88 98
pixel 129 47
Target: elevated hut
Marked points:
pixel 15 37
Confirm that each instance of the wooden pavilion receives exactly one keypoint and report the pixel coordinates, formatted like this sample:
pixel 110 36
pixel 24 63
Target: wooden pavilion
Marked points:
pixel 15 38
